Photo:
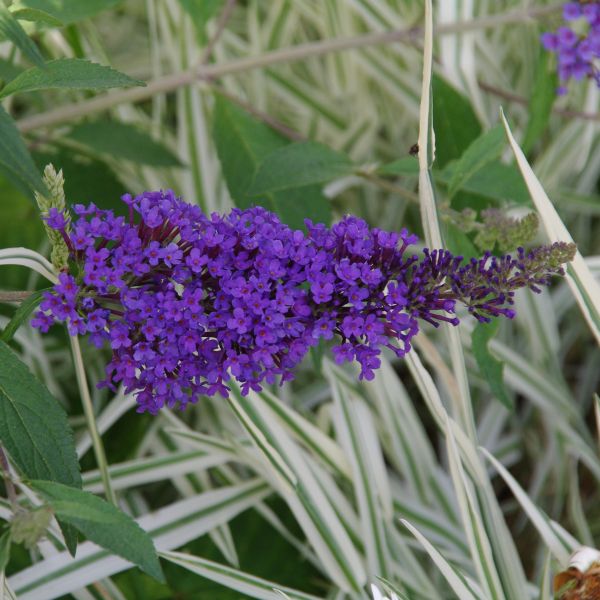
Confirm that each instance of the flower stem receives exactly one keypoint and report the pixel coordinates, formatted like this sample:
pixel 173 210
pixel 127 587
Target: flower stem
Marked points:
pixel 90 418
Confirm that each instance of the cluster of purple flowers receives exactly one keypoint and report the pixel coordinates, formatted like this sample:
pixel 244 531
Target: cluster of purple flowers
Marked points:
pixel 576 53
pixel 187 301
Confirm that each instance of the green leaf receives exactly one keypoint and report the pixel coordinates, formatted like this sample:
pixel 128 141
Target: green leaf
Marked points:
pixel 67 11
pixel 490 367
pixel 102 523
pixel 480 152
pixel 541 101
pixel 408 165
pixel 15 157
pixel 297 165
pixel 5 542
pixel 454 122
pixel 35 15
pixel 496 181
pixel 71 73
pixel 242 145
pixel 33 426
pixel 21 315
pixel 124 141
pixel 11 30
pixel 458 242
pixel 201 11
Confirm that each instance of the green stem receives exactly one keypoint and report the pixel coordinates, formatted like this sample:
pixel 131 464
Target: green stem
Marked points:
pixel 90 418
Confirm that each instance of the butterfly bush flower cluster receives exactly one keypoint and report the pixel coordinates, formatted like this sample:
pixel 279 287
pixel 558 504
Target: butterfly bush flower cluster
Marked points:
pixel 577 45
pixel 188 301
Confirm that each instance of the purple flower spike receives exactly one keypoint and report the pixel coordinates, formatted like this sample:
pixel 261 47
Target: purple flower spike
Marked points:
pixel 187 302
pixel 577 55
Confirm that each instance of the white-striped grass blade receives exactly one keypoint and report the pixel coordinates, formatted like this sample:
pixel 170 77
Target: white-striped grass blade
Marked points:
pixel 481 550
pixel 353 424
pixel 546 576
pixel 402 433
pixel 307 500
pixel 505 552
pixel 170 527
pixel 457 581
pixel 244 583
pixel 540 521
pixel 581 281
pixel 309 435
pixel 142 471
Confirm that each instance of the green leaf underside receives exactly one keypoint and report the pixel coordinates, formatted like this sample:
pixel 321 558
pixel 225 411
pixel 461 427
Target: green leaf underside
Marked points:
pixel 124 141
pixel 11 29
pixel 15 157
pixel 102 523
pixel 242 144
pixel 490 367
pixel 68 11
pixel 482 151
pixel 21 315
pixel 69 73
pixel 35 15
pixel 454 122
pixel 33 426
pixel 297 165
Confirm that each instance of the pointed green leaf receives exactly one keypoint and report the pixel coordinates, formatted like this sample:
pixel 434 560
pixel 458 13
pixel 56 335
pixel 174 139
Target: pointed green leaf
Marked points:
pixel 242 144
pixel 11 30
pixel 486 148
pixel 34 14
pixel 124 141
pixel 71 73
pixel 33 426
pixel 297 165
pixel 454 122
pixel 67 11
pixel 103 524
